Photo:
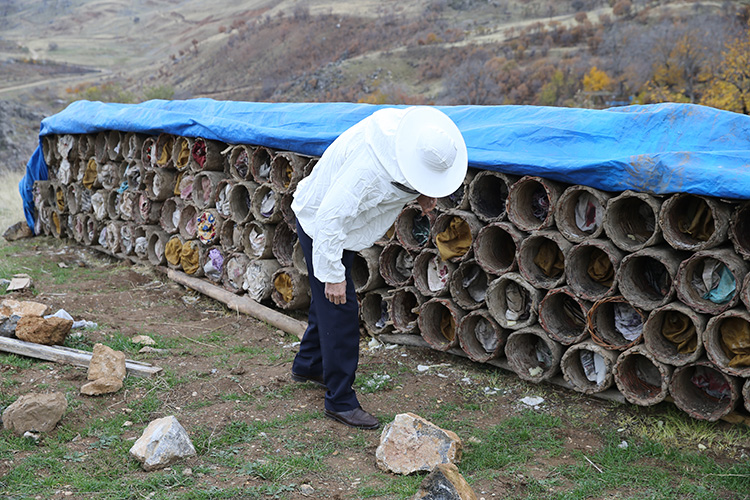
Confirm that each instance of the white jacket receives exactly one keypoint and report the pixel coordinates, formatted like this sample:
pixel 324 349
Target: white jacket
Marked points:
pixel 348 201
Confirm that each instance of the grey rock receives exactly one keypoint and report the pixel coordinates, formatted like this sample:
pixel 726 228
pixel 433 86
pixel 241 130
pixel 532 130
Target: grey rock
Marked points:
pixel 445 483
pixel 8 325
pixel 35 412
pixel 163 443
pixel 411 443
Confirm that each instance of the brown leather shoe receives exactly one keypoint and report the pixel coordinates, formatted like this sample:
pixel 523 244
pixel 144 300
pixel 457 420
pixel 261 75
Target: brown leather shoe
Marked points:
pixel 355 418
pixel 315 379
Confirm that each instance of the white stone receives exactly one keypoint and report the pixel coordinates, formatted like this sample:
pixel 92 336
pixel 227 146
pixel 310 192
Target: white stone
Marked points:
pixel 163 443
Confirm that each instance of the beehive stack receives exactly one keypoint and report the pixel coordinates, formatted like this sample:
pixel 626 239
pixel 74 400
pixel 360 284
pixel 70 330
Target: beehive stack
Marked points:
pixel 644 293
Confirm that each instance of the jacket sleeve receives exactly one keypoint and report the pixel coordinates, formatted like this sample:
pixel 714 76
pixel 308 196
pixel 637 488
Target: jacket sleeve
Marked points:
pixel 355 191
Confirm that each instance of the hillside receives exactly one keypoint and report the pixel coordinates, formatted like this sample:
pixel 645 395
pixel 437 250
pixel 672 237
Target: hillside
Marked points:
pixel 588 53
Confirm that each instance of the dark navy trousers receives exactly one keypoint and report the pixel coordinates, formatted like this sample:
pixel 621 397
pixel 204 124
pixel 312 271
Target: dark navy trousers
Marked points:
pixel 330 345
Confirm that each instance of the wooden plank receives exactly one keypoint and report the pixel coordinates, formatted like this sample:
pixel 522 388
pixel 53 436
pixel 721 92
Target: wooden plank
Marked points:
pixel 62 354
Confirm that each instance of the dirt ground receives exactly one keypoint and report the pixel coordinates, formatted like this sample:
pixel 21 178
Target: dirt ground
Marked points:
pixel 221 368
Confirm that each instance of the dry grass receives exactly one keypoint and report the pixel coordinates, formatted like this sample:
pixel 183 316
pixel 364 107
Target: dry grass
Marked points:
pixel 11 206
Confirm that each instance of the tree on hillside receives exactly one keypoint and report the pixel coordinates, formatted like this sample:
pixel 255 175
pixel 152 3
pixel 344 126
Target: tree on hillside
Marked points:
pixel 473 81
pixel 730 88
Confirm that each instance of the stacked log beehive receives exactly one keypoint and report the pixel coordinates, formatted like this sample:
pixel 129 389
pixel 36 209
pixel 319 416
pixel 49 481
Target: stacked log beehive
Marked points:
pixel 648 294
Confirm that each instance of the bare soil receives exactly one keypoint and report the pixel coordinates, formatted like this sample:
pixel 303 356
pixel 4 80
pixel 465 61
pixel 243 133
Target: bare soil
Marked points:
pixel 228 368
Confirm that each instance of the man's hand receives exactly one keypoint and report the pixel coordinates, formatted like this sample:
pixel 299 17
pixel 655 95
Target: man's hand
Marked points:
pixel 426 203
pixel 336 292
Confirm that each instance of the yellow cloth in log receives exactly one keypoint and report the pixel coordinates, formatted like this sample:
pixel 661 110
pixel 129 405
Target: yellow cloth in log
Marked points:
pixel 600 268
pixel 173 251
pixel 166 153
pixel 190 258
pixel 184 155
pixel 678 329
pixel 549 258
pixel 177 184
pixel 698 221
pixel 448 325
pixel 288 175
pixel 735 341
pixel 391 231
pixel 455 240
pixel 56 222
pixel 89 176
pixel 283 285
pixel 60 196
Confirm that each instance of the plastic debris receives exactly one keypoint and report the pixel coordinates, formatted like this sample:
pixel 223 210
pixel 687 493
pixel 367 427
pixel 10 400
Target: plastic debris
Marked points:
pixel 532 400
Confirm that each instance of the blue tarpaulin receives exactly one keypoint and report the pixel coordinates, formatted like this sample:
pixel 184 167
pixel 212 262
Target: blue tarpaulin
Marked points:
pixel 662 148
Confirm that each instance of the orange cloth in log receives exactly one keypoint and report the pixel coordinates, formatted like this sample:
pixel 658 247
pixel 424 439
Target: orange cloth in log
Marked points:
pixel 678 329
pixel 166 153
pixel 89 176
pixel 190 258
pixel 697 221
pixel 183 157
pixel 600 268
pixel 56 222
pixel 448 325
pixel 455 240
pixel 173 250
pixel 549 258
pixel 735 341
pixel 60 196
pixel 283 285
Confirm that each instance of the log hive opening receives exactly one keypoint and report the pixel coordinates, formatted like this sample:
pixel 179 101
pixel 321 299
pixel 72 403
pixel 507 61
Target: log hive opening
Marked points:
pixel 563 316
pixel 171 211
pixel 190 258
pixel 298 259
pixel 631 221
pixel 532 202
pixel 365 273
pixel 580 213
pixel 646 277
pixel 727 342
pixel 691 222
pixel 258 278
pixel 641 378
pixel 173 251
pixel 208 226
pixel 286 170
pixel 468 285
pixel 431 273
pixel 239 162
pixel 404 309
pixel 488 193
pixel 481 337
pixel 496 246
pixel 513 301
pixel 739 230
pixel 266 204
pixel 453 234
pixel 541 258
pixel 157 241
pixel 704 392
pixel 235 266
pixel 709 280
pixel 257 240
pixel 115 146
pixel 458 199
pixel 163 151
pixel 188 222
pixel 260 165
pixel 396 264
pixel 674 334
pixel 212 263
pixel 532 355
pixel 592 267
pixel 413 228
pixel 181 153
pixel 375 311
pixel 588 367
pixel 438 322
pixel 240 201
pixel 615 324
pixel 205 186
pixel 291 289
pixel 206 154
pixel 282 244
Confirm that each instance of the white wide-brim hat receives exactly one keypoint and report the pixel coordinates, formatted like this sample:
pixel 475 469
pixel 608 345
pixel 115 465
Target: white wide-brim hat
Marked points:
pixel 430 151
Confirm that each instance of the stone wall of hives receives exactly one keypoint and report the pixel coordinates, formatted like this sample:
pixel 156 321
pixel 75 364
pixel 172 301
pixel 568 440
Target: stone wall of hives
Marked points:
pixel 646 295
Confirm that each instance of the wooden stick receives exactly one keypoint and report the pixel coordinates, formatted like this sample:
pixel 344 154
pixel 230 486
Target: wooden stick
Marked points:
pixel 61 354
pixel 241 304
